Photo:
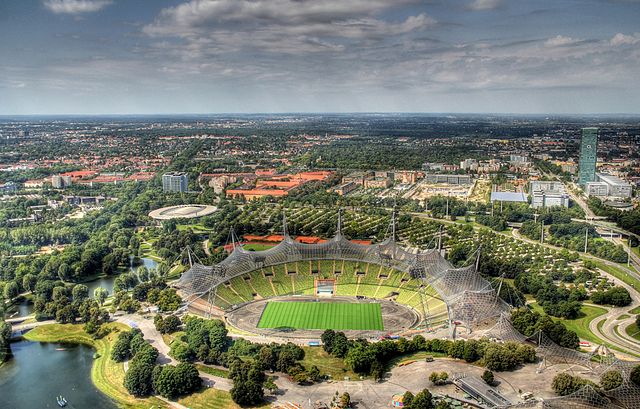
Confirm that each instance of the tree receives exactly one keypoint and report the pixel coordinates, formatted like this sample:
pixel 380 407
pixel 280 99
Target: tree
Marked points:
pixel 407 399
pixel 129 305
pixel 327 340
pixel 443 405
pixel 610 380
pixel 266 357
pixel 100 294
pixel 638 320
pixel 340 345
pixel 168 324
pixel 11 290
pixel 564 384
pixel 345 401
pixel 270 385
pixel 80 292
pixel 359 358
pixel 181 351
pixel 488 377
pixel 5 336
pixel 377 370
pixel 29 282
pixel 438 378
pixel 137 380
pixel 314 374
pixel 635 375
pixel 422 400
pixel 248 380
pixel 66 314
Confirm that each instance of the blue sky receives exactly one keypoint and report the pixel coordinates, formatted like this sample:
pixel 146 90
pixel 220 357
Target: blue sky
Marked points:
pixel 208 56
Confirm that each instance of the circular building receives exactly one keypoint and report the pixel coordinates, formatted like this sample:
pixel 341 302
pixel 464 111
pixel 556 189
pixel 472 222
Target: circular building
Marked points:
pixel 189 211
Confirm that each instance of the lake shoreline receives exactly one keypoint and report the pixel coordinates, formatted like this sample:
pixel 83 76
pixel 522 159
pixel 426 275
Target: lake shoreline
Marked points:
pixel 107 376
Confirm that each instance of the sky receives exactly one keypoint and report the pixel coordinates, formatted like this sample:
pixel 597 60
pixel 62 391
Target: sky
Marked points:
pixel 227 56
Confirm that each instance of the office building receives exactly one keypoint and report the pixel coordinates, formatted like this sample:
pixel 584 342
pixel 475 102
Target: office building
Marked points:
pixel 448 179
pixel 588 156
pixel 608 186
pixel 175 182
pixel 548 194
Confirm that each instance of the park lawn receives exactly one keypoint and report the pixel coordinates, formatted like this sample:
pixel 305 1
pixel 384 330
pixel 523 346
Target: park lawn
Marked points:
pixel 414 356
pixel 633 331
pixel 327 364
pixel 196 227
pixel 635 311
pixel 257 246
pixel 222 373
pixel 322 315
pixel 107 375
pixel 581 325
pixel 210 398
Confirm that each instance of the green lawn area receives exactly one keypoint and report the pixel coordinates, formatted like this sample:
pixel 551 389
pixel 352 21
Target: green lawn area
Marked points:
pixel 257 246
pixel 107 375
pixel 328 365
pixel 213 399
pixel 223 373
pixel 322 315
pixel 196 227
pixel 633 331
pixel 635 311
pixel 581 325
pixel 415 356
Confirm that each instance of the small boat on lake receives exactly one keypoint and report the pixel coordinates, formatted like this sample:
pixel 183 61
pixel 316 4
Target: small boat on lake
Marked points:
pixel 62 402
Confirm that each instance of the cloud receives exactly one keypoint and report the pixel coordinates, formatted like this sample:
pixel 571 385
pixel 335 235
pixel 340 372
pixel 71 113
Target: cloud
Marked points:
pixel 480 5
pixel 76 6
pixel 207 27
pixel 622 39
pixel 559 41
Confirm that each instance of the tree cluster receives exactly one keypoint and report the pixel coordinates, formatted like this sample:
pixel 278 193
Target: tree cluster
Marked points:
pixel 618 296
pixel 364 357
pixel 527 322
pixel 144 377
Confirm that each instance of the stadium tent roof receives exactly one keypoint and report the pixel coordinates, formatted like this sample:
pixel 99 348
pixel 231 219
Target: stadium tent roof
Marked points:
pixel 468 296
pixel 508 197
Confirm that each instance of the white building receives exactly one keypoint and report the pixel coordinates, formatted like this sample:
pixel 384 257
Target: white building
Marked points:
pixel 609 186
pixel 548 194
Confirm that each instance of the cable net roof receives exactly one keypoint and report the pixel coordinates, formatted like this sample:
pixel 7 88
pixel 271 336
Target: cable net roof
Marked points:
pixel 470 297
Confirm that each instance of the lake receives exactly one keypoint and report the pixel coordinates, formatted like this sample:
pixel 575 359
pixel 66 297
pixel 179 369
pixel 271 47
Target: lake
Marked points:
pixel 38 372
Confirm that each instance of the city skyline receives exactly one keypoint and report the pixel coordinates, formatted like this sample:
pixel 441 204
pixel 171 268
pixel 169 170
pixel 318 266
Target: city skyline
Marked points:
pixel 222 56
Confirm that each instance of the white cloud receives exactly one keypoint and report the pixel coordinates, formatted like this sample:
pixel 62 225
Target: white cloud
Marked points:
pixel 206 27
pixel 622 39
pixel 559 41
pixel 479 5
pixel 76 6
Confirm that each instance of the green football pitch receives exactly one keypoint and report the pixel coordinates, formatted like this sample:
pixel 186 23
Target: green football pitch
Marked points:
pixel 322 315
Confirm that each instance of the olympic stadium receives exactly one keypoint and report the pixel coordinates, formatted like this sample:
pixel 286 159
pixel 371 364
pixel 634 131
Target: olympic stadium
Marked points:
pixel 415 289
pixel 189 211
pixel 296 290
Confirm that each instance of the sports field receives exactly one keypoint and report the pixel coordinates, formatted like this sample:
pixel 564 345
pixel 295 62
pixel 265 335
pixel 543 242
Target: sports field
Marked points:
pixel 322 315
